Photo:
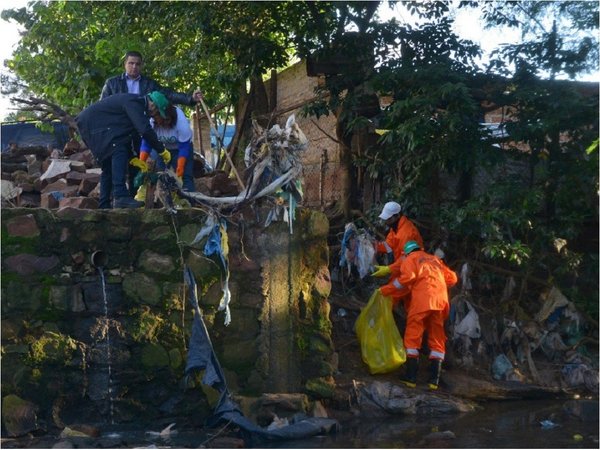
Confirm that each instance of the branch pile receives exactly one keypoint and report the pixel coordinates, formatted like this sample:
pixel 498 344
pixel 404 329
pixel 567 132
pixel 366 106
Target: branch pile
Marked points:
pixel 273 160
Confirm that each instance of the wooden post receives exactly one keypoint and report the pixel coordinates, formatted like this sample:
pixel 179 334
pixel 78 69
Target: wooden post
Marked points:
pixel 199 132
pixel 235 172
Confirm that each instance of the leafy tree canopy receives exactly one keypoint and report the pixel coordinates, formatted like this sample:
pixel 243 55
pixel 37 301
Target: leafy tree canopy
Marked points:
pixel 69 49
pixel 429 73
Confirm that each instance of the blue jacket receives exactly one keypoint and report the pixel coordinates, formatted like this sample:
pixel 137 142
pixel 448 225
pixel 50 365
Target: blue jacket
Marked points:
pixel 118 85
pixel 115 121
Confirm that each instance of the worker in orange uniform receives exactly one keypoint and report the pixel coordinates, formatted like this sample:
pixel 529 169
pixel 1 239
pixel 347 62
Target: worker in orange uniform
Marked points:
pixel 401 230
pixel 427 279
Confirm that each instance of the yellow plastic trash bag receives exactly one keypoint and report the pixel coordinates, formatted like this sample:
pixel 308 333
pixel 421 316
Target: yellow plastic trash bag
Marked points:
pixel 381 345
pixel 140 195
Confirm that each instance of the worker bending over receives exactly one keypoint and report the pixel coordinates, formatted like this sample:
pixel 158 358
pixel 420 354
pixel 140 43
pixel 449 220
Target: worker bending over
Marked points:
pixel 427 279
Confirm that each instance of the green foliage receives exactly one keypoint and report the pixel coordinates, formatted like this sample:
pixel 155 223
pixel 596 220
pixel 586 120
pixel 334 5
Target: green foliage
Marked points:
pixel 428 72
pixel 558 38
pixel 69 49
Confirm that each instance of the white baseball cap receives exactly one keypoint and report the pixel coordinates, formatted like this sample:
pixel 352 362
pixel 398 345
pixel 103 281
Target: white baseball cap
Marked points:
pixel 389 209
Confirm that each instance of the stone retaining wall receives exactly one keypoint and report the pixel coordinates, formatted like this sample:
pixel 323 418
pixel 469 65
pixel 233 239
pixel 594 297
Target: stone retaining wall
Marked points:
pixel 60 361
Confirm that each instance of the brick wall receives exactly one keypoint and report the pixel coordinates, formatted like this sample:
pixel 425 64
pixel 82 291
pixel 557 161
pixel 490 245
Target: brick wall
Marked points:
pixel 321 161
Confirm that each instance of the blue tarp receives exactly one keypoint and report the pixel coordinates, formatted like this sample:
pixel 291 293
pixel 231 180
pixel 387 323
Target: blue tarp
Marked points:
pixel 229 132
pixel 27 134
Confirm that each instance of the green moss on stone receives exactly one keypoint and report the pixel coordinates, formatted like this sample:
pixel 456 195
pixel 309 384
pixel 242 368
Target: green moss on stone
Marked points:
pixel 175 358
pixel 321 387
pixel 302 344
pixel 146 327
pixel 52 348
pixel 14 245
pixel 154 217
pixel 154 356
pixel 141 288
pixel 13 408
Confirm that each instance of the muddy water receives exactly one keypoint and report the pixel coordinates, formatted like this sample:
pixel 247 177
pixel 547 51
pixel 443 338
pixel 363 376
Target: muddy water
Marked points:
pixel 515 424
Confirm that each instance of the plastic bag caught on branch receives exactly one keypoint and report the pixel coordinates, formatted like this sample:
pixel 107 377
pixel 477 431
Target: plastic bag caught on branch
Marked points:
pixel 357 250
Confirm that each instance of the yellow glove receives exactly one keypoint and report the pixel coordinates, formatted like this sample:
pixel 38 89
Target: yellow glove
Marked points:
pixel 381 271
pixel 137 162
pixel 166 156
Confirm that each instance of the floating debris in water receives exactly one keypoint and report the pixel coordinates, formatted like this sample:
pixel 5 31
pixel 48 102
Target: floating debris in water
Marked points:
pixel 165 433
pixel 547 424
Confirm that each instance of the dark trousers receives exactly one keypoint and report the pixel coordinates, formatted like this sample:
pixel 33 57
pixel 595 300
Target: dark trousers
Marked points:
pixel 132 171
pixel 114 176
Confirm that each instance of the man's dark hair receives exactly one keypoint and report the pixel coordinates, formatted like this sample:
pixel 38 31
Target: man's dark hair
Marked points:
pixel 133 53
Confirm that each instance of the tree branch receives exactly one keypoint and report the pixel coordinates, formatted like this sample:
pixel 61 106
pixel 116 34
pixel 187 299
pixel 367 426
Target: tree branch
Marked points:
pixel 51 111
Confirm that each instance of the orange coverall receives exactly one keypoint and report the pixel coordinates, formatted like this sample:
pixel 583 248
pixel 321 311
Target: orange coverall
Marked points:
pixel 394 242
pixel 427 278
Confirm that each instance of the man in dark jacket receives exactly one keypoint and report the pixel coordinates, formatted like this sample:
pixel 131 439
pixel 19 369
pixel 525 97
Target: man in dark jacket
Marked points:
pixel 133 82
pixel 108 127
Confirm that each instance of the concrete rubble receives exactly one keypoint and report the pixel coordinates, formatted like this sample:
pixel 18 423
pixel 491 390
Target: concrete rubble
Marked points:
pixel 36 176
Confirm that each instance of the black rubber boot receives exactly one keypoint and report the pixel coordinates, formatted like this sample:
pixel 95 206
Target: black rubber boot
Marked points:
pixel 410 377
pixel 127 202
pixel 435 370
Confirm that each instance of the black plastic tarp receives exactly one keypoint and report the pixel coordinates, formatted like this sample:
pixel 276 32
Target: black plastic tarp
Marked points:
pixel 201 356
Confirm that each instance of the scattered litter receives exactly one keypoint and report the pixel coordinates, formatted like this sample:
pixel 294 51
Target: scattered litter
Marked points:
pixel 278 423
pixel 501 367
pixel 464 327
pixel 440 435
pixel 165 433
pixel 70 433
pixel 509 288
pixel 357 251
pixel 547 424
pixel 580 375
pixel 273 159
pixel 469 324
pixel 9 190
pixel 552 299
pixel 342 312
pixel 58 196
pixel 56 168
pixel 218 243
pixel 465 280
pixel 112 435
pixel 439 253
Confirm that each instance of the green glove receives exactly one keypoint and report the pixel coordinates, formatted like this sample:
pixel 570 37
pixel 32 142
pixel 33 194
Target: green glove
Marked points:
pixel 137 162
pixel 381 271
pixel 166 156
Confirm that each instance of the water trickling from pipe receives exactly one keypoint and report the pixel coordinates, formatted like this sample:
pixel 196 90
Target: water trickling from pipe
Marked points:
pixel 108 356
pixel 99 260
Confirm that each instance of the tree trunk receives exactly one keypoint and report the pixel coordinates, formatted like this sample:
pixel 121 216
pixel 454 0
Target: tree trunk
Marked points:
pixel 345 171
